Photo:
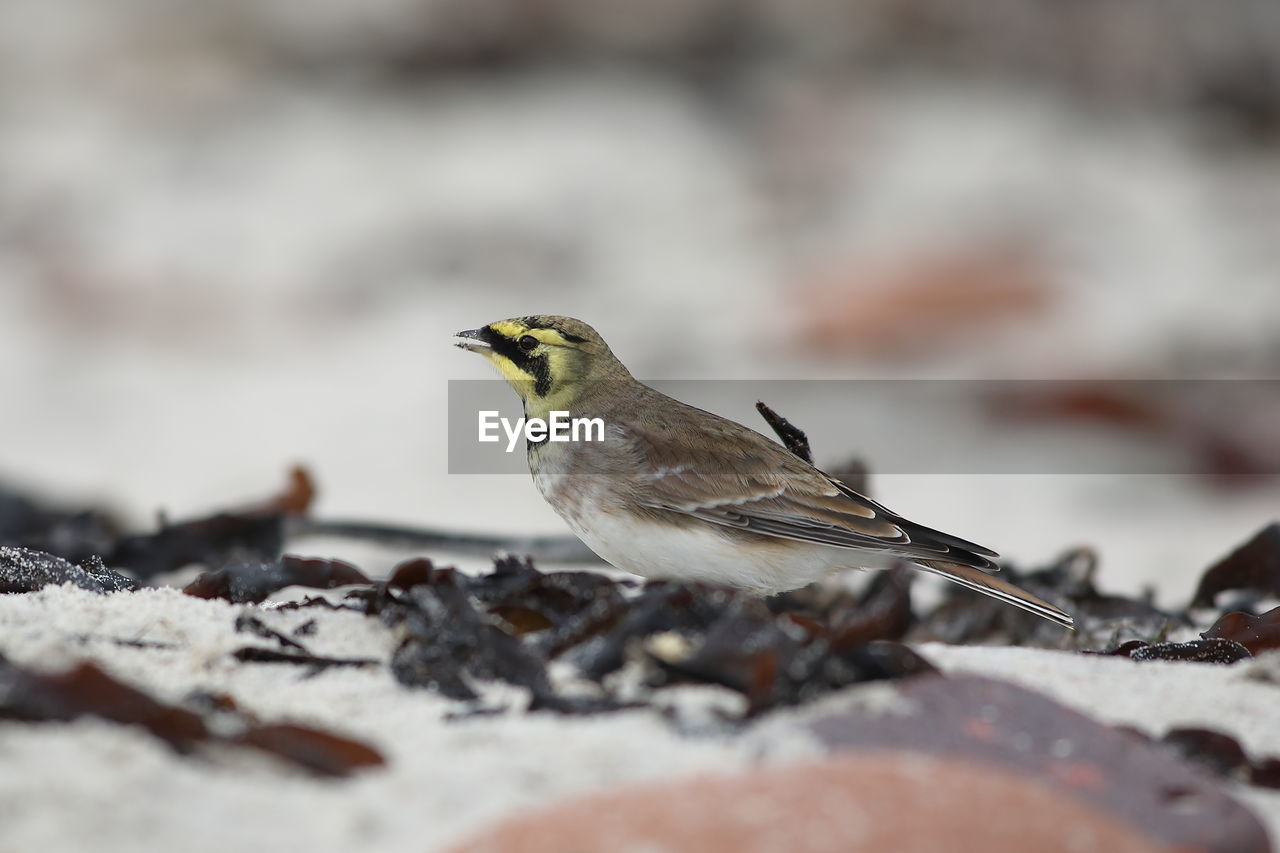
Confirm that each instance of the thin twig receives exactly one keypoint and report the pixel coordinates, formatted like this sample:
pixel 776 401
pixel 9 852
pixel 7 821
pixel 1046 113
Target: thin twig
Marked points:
pixel 551 549
pixel 793 438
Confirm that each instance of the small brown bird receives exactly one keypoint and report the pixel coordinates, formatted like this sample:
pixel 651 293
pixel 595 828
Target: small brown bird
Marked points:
pixel 672 491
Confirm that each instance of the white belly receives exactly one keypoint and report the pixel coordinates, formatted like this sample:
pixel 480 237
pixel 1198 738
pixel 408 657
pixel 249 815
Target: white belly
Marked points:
pixel 695 552
pixel 701 553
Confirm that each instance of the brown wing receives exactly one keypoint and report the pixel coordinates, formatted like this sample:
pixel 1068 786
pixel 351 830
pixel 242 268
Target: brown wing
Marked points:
pixel 739 478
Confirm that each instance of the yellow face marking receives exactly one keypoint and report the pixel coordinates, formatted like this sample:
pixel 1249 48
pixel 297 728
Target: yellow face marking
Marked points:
pixel 548 336
pixel 509 328
pixel 515 330
pixel 509 371
pixel 522 381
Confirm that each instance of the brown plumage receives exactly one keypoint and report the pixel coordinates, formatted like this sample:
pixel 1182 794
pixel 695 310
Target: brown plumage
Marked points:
pixel 677 491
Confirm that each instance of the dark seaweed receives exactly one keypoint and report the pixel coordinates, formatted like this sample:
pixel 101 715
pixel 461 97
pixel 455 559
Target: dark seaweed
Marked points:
pixel 1255 633
pixel 1254 566
pixel 86 690
pixel 252 582
pixel 24 570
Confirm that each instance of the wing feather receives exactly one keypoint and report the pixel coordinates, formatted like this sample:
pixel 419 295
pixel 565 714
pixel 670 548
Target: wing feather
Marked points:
pixel 738 478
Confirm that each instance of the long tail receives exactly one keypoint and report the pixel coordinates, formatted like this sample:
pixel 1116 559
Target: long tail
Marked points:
pixel 993 586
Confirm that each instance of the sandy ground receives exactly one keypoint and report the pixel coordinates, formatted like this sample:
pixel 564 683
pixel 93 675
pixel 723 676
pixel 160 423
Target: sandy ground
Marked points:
pixel 93 785
pixel 209 272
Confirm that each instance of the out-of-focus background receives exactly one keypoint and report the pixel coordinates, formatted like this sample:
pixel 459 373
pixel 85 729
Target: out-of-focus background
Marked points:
pixel 239 235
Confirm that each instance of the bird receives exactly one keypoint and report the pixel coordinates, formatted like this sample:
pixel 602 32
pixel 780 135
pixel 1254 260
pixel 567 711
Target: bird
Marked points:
pixel 670 491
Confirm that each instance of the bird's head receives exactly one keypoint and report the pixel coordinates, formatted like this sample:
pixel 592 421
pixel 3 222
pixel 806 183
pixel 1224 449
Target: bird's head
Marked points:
pixel 551 362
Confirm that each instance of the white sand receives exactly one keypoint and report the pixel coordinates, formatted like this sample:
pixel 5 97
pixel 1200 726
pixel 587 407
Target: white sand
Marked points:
pixel 94 785
pixel 213 267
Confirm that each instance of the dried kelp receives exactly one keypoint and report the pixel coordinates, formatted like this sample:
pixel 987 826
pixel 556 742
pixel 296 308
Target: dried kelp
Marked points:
pixel 458 631
pixel 72 534
pixel 1254 566
pixel 1222 754
pixel 252 582
pixel 1255 633
pixel 88 691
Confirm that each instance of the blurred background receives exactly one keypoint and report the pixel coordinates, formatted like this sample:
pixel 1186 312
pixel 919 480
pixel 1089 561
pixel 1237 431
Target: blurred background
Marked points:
pixel 239 235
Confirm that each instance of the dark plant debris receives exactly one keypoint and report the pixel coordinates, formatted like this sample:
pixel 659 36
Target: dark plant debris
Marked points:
pixel 87 691
pixel 1254 566
pixel 1219 753
pixel 253 582
pixel 792 437
pixel 255 654
pixel 73 534
pixel 251 535
pixel 93 539
pixel 852 473
pixel 458 631
pixel 254 625
pixel 1255 633
pixel 25 570
pixel 1192 651
pixel 291 651
pixel 567 550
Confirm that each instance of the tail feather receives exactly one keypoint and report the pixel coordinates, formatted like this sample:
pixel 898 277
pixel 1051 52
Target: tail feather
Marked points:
pixel 997 588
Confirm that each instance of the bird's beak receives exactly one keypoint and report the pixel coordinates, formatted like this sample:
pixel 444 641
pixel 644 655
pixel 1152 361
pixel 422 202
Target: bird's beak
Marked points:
pixel 473 340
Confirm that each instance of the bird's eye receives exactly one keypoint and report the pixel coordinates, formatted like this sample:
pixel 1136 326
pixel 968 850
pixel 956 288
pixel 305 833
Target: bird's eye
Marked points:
pixel 527 342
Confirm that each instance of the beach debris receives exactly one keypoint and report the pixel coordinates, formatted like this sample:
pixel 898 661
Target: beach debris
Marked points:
pixel 999 724
pixel 292 651
pixel 775 661
pixel 1121 650
pixel 565 549
pixel 86 690
pixel 316 663
pixel 509 625
pixel 793 438
pixel 1255 633
pixel 25 570
pixel 254 625
pixel 253 534
pixel 215 541
pixel 529 600
pixel 323 753
pixel 853 472
pixel 1254 566
pixel 881 612
pixel 75 534
pixel 1223 755
pixel 448 644
pixel 253 582
pixel 1216 650
pixel 849 803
